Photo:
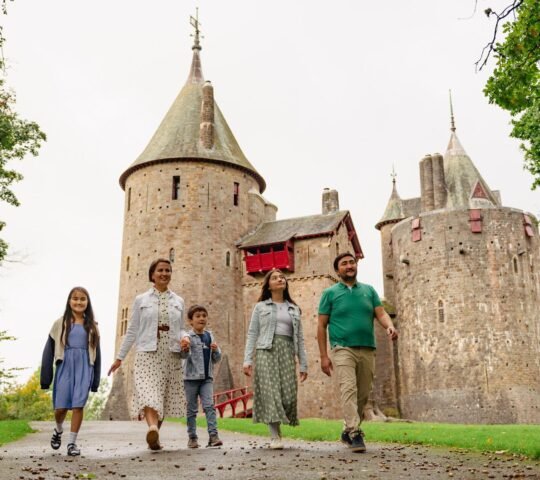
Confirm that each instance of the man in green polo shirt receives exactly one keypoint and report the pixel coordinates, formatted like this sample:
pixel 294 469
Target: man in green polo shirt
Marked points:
pixel 347 310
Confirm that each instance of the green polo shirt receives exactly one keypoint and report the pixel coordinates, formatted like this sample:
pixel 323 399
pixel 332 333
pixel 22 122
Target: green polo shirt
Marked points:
pixel 351 312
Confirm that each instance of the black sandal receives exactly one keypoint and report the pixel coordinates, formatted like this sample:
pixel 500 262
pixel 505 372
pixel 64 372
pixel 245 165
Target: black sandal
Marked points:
pixel 56 439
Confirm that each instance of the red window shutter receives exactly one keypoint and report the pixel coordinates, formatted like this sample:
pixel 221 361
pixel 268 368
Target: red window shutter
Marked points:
pixel 528 225
pixel 475 219
pixel 416 230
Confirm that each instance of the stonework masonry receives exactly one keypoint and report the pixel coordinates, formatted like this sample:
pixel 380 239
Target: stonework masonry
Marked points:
pixel 468 314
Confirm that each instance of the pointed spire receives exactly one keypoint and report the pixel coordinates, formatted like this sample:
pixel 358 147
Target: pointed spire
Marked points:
pixel 195 73
pixel 394 208
pixel 452 122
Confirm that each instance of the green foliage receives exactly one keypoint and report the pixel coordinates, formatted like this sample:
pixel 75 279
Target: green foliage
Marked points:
pixel 519 439
pixel 96 401
pixel 18 138
pixel 11 430
pixel 515 82
pixel 6 374
pixel 26 402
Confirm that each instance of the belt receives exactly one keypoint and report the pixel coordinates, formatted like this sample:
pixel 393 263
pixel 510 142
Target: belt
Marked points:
pixel 162 328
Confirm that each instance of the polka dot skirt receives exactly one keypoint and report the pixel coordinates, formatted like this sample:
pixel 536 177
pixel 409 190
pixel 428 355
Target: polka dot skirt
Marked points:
pixel 158 375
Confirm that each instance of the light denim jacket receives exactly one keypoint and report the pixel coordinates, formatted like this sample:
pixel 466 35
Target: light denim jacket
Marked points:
pixel 142 328
pixel 262 329
pixel 194 358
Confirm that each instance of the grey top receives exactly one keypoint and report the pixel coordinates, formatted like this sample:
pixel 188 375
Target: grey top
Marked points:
pixel 284 320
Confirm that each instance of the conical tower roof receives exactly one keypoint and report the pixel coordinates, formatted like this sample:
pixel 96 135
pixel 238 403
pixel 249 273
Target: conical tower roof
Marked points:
pixel 394 208
pixel 465 186
pixel 177 137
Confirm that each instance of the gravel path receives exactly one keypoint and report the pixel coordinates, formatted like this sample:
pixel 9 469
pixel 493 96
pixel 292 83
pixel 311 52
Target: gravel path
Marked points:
pixel 113 450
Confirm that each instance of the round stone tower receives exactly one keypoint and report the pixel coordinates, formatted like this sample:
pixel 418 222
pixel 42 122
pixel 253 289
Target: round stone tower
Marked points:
pixel 466 286
pixel 187 198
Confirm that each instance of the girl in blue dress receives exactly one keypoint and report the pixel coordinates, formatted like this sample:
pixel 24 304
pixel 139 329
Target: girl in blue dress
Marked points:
pixel 73 348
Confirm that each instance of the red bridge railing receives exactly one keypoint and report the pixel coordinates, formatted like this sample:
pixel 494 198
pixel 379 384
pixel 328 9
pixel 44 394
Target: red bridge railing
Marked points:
pixel 234 397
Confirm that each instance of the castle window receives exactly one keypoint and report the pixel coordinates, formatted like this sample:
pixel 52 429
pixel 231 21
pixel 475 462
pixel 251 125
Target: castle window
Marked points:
pixel 475 220
pixel 515 264
pixel 416 230
pixel 440 310
pixel 172 254
pixel 337 249
pixel 236 193
pixel 127 264
pixel 228 259
pixel 176 187
pixel 129 199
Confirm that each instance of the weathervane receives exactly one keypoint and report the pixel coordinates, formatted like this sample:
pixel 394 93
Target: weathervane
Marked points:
pixel 393 174
pixel 196 24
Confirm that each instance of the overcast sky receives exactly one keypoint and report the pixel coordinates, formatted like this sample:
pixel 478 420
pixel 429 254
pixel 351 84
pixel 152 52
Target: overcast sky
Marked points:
pixel 318 94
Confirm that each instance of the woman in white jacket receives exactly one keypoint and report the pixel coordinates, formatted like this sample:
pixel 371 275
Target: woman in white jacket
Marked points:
pixel 156 328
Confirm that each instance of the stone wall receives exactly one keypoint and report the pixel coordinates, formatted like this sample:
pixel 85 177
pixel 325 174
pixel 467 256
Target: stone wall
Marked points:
pixel 198 230
pixel 468 308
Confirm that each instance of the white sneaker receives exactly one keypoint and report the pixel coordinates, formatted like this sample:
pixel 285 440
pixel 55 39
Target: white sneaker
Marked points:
pixel 276 444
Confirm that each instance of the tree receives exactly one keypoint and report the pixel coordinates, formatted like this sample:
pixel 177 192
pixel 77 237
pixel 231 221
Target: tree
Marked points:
pixel 18 138
pixel 26 402
pixel 96 401
pixel 6 374
pixel 515 82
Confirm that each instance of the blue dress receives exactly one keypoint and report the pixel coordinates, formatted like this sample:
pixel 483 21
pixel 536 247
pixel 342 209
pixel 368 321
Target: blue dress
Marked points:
pixel 74 375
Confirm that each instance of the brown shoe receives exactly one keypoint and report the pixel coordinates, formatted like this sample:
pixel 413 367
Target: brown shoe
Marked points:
pixel 214 441
pixel 193 443
pixel 152 438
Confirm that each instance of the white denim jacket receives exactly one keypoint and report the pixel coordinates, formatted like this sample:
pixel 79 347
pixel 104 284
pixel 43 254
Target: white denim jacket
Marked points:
pixel 262 328
pixel 142 328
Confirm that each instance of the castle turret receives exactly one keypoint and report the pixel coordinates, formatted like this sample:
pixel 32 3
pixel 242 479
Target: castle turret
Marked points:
pixel 187 199
pixel 467 295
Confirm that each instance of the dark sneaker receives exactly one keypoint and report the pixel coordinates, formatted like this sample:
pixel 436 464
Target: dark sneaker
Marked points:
pixel 73 450
pixel 345 439
pixel 214 441
pixel 193 443
pixel 357 441
pixel 56 439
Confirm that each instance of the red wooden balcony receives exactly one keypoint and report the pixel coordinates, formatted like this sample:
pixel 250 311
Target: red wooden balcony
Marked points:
pixel 267 257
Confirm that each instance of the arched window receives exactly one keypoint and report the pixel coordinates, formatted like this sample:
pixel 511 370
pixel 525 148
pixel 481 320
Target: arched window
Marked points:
pixel 171 255
pixel 515 264
pixel 127 264
pixel 228 259
pixel 440 310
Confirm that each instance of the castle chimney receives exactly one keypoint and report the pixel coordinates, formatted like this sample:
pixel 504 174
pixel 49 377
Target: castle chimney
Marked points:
pixel 206 132
pixel 426 183
pixel 439 184
pixel 330 201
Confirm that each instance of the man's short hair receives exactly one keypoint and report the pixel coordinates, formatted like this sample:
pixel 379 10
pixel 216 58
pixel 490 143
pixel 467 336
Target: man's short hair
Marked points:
pixel 194 309
pixel 340 256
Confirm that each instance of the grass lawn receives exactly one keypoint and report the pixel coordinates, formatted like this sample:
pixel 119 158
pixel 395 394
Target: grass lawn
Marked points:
pixel 11 430
pixel 519 439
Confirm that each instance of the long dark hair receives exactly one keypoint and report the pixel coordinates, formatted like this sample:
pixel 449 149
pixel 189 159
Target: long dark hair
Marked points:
pixel 265 289
pixel 89 323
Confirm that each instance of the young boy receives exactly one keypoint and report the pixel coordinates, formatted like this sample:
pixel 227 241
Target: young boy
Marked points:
pixel 199 357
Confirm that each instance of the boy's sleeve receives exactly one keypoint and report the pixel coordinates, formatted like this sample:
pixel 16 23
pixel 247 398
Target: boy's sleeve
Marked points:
pixel 216 356
pixel 47 360
pixel 325 304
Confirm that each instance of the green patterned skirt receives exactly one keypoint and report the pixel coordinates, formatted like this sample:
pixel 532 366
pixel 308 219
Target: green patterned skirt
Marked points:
pixel 275 385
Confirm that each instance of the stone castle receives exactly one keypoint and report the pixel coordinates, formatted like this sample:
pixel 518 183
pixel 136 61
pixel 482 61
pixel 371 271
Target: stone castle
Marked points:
pixel 192 196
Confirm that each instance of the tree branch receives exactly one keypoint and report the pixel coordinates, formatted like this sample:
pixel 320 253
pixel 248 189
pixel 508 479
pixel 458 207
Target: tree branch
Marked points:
pixel 490 47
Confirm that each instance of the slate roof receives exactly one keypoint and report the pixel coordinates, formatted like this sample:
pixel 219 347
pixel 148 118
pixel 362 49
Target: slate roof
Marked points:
pixel 177 137
pixel 282 230
pixel 461 176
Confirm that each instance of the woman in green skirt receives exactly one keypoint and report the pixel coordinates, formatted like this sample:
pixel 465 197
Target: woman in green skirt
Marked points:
pixel 275 333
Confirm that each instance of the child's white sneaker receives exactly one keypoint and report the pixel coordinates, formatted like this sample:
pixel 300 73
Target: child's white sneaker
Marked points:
pixel 276 444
